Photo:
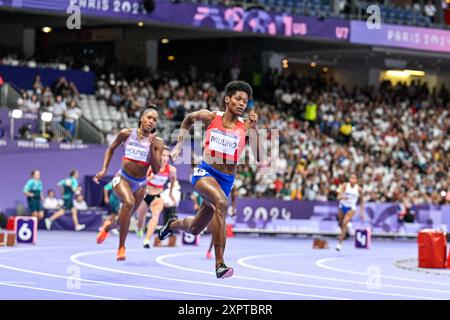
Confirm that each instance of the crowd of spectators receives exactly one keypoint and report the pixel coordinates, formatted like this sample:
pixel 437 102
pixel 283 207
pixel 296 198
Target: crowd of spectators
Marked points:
pixel 394 136
pixel 59 99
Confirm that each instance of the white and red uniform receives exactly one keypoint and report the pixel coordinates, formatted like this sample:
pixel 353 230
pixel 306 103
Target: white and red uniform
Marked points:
pixel 224 143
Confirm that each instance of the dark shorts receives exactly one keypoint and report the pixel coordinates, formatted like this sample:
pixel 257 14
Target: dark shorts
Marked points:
pixel 68 204
pixel 169 212
pixel 34 204
pixel 149 198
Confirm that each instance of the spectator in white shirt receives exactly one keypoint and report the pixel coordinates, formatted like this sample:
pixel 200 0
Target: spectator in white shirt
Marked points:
pixel 59 108
pixel 72 114
pixel 33 105
pixel 50 202
pixel 416 7
pixel 79 203
pixel 430 10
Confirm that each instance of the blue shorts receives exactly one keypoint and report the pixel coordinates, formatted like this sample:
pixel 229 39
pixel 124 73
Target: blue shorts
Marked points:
pixel 225 181
pixel 345 209
pixel 134 183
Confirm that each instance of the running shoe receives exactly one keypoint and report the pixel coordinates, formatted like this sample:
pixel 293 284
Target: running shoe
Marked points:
pixel 48 223
pixel 165 232
pixel 147 244
pixel 139 233
pixel 222 271
pixel 102 235
pixel 121 254
pixel 208 255
pixel 80 227
pixel 338 247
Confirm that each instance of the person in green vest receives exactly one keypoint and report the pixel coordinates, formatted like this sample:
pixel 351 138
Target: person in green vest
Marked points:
pixel 69 187
pixel 311 112
pixel 33 192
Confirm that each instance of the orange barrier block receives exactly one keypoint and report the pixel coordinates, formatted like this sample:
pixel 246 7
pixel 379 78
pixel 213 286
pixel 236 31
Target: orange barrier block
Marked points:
pixel 320 244
pixel 432 248
pixel 172 241
pixel 11 239
pixel 230 233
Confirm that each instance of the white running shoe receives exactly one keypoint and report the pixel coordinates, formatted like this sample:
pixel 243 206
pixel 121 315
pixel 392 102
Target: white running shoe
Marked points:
pixel 80 227
pixel 338 247
pixel 48 223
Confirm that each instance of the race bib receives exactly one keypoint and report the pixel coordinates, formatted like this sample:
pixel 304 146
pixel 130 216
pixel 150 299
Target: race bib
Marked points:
pixel 224 143
pixel 159 180
pixel 115 181
pixel 199 172
pixel 136 153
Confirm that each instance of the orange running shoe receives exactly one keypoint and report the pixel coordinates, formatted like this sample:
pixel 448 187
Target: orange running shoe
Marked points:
pixel 102 235
pixel 121 254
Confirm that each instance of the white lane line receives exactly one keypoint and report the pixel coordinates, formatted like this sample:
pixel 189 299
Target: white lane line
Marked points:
pixel 295 274
pixel 104 282
pixel 161 260
pixel 59 291
pixel 321 264
pixel 16 282
pixel 346 271
pixel 74 259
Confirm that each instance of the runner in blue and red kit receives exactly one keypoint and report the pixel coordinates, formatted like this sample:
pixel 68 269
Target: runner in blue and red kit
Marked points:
pixel 213 179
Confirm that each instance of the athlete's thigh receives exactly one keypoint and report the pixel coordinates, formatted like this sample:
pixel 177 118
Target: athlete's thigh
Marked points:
pixel 157 204
pixel 210 190
pixel 348 216
pixel 123 189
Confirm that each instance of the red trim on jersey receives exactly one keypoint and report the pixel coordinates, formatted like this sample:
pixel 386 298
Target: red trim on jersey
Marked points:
pixel 137 161
pixel 164 172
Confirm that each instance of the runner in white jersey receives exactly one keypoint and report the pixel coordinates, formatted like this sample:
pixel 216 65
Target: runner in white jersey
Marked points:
pixel 153 199
pixel 348 195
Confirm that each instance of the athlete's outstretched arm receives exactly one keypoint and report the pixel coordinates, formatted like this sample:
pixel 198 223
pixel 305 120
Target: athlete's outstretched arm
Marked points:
pixel 340 191
pixel 156 154
pixel 121 137
pixel 202 115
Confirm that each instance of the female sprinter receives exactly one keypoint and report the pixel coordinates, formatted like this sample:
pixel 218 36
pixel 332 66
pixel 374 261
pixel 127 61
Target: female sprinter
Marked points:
pixel 213 179
pixel 142 149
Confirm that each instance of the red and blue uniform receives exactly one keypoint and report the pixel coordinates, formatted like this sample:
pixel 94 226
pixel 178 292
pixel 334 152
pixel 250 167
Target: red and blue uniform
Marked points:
pixel 225 144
